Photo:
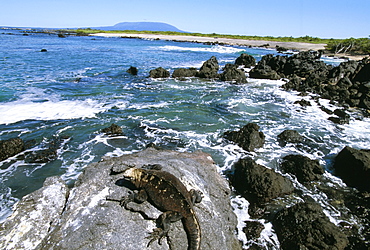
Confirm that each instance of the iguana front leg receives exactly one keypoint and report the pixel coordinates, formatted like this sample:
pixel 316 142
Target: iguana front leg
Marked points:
pixel 138 197
pixel 163 221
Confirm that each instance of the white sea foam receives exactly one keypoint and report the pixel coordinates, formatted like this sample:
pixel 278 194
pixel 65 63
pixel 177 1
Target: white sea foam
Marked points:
pixel 213 49
pixel 49 110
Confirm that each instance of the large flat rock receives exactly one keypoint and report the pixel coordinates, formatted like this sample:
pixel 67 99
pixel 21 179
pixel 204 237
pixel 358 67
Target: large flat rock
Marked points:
pixel 87 220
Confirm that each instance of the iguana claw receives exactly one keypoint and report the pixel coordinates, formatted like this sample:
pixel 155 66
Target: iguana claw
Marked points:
pixel 157 234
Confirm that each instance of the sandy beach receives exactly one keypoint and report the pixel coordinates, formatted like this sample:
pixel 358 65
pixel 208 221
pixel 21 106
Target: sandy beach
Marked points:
pixel 253 43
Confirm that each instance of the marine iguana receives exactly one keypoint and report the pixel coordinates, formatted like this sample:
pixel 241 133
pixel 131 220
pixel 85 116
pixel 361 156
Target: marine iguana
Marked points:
pixel 168 194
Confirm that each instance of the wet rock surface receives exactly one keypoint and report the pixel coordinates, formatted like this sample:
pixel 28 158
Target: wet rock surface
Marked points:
pixel 248 137
pixel 353 166
pixel 89 216
pixel 305 226
pixel 289 136
pixel 159 73
pixel 302 167
pixel 209 69
pixel 133 71
pixel 258 183
pixel 246 60
pixel 113 129
pixel 253 229
pixel 190 72
pixel 232 73
pixel 11 147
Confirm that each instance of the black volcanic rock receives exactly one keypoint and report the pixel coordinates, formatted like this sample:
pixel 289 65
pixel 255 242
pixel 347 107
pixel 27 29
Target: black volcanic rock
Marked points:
pixel 264 72
pixel 159 73
pixel 113 129
pixel 133 71
pixel 353 166
pixel 289 136
pixel 178 73
pixel 246 60
pixel 303 103
pixel 11 147
pixel 305 226
pixel 257 183
pixel 209 69
pixel 232 73
pixel 253 229
pixel 302 167
pixel 249 137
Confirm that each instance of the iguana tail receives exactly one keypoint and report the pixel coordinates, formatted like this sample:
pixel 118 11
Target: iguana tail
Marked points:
pixel 192 228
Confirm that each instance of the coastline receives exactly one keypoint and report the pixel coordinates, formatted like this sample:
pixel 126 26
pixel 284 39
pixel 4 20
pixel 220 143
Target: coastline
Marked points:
pixel 299 46
pixel 228 41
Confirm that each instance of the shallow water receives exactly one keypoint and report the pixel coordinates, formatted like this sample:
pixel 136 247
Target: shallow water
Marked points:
pixel 80 86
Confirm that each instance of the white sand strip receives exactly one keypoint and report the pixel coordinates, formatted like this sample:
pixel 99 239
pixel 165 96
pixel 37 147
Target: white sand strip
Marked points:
pixel 229 41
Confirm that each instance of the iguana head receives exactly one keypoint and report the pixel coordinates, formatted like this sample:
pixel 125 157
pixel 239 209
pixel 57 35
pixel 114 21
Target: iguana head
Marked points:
pixel 134 175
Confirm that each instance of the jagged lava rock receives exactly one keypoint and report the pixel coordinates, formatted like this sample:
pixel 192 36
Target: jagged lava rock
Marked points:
pixel 353 166
pixel 289 136
pixel 159 73
pixel 133 71
pixel 11 147
pixel 93 219
pixel 305 226
pixel 113 129
pixel 190 72
pixel 232 73
pixel 258 183
pixel 302 167
pixel 262 71
pixel 209 69
pixel 249 137
pixel 246 60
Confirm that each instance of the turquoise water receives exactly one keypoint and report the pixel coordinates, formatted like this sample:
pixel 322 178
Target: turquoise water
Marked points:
pixel 80 86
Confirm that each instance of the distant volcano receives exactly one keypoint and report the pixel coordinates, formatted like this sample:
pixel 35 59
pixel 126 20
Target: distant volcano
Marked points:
pixel 140 26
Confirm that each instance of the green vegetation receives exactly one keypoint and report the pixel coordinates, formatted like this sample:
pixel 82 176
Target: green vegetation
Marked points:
pixel 359 46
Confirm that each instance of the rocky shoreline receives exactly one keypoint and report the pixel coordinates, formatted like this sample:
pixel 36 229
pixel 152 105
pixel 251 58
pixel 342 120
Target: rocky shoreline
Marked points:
pixel 86 216
pixel 217 40
pixel 279 46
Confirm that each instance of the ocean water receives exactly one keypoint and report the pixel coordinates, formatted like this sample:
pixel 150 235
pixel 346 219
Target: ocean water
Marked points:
pixel 67 95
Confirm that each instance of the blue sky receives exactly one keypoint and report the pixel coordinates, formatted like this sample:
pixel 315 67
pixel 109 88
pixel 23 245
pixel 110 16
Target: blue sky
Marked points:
pixel 320 18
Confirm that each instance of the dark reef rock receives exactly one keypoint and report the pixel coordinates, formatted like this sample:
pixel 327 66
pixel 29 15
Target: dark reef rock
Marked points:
pixel 305 169
pixel 11 147
pixel 246 60
pixel 159 73
pixel 264 72
pixel 178 73
pixel 353 166
pixel 305 226
pixel 132 70
pixel 289 136
pixel 253 229
pixel 249 137
pixel 341 118
pixel 257 183
pixel 303 103
pixel 232 73
pixel 347 84
pixel 49 153
pixel 209 69
pixel 91 217
pixel 43 50
pixel 113 129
